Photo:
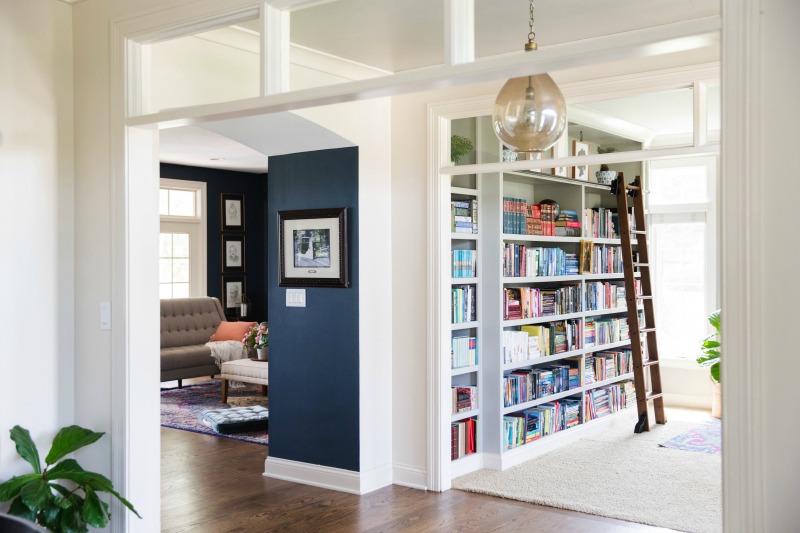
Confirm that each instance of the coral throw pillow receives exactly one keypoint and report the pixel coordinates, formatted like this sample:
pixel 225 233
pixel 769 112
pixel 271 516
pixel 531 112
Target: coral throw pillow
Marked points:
pixel 231 331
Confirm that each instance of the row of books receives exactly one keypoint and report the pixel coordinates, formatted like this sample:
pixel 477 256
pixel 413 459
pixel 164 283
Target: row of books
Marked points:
pixel 463 438
pixel 605 330
pixel 540 421
pixel 533 302
pixel 465 263
pixel 604 365
pixel 567 224
pixel 522 385
pixel 607 259
pixel 604 401
pixel 463 352
pixel 464 216
pixel 541 340
pixel 464 308
pixel 465 398
pixel 520 260
pixel 606 295
pixel 603 223
pixel 522 218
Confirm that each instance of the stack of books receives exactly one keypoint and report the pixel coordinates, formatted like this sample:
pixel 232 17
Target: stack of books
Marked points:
pixel 567 224
pixel 465 398
pixel 464 216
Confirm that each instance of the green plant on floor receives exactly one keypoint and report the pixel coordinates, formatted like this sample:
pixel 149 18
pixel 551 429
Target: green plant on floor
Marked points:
pixel 459 147
pixel 711 347
pixel 61 508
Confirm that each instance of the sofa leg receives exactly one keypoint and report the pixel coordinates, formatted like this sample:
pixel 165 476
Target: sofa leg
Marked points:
pixel 213 376
pixel 180 383
pixel 224 391
pixel 263 390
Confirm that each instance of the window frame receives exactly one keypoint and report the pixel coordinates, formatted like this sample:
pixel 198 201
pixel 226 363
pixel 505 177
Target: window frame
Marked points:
pixel 197 228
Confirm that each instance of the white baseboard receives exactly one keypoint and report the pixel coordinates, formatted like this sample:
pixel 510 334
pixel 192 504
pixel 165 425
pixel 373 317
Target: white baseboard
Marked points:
pixel 409 476
pixel 328 477
pixel 687 400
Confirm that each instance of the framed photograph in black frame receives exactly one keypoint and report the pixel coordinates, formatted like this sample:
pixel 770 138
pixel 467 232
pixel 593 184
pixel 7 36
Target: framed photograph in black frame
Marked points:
pixel 232 206
pixel 313 248
pixel 233 287
pixel 233 253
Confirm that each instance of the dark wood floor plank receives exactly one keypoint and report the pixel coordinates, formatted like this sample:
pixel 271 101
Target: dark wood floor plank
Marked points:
pixel 212 484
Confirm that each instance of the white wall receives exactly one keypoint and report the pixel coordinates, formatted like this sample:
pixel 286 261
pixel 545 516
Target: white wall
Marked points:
pixel 36 223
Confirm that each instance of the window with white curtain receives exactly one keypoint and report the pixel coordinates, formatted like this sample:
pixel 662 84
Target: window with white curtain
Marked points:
pixel 681 203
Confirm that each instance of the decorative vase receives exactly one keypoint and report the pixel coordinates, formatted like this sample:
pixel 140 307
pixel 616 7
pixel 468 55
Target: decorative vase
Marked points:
pixel 605 177
pixel 509 155
pixel 263 353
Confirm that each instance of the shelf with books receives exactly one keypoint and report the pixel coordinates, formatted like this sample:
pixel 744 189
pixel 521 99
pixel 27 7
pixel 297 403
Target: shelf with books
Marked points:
pixel 543 279
pixel 464 236
pixel 511 237
pixel 544 399
pixel 464 325
pixel 542 360
pixel 540 319
pixel 456 417
pixel 464 370
pixel 464 281
pixel 464 191
pixel 604 383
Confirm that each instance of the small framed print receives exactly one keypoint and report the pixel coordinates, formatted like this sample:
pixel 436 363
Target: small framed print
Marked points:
pixel 233 253
pixel 313 248
pixel 232 290
pixel 232 212
pixel 581 172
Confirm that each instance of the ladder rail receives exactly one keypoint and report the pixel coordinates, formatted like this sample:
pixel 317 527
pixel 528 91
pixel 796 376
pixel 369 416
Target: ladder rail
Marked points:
pixel 621 190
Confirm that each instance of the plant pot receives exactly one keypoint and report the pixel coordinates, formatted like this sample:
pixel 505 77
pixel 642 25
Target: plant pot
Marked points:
pixel 716 400
pixel 605 177
pixel 263 353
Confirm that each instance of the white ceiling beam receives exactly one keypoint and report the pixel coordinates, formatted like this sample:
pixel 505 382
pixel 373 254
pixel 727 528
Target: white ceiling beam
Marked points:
pixel 648 42
pixel 274 50
pixel 459 31
pixel 610 124
pixel 294 5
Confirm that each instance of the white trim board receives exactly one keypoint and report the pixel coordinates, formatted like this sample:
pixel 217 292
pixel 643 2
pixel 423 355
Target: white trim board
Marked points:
pixel 327 477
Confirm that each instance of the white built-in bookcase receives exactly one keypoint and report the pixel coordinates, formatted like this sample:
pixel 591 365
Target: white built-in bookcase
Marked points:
pixel 490 188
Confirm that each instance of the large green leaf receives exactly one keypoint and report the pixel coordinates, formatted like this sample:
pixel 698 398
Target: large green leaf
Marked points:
pixel 26 447
pixel 710 344
pixel 36 495
pixel 715 372
pixel 21 510
pixel 93 512
pixel 11 488
pixel 68 440
pixel 71 470
pixel 71 520
pixel 51 516
pixel 713 319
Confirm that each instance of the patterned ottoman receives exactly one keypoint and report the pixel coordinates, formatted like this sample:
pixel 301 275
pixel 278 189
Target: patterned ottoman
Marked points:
pixel 236 419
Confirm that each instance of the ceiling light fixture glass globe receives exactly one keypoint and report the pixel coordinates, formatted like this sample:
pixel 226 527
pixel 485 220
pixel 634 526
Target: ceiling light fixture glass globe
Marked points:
pixel 530 114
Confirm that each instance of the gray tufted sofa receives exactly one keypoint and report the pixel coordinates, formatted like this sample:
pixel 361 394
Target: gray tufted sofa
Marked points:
pixel 186 326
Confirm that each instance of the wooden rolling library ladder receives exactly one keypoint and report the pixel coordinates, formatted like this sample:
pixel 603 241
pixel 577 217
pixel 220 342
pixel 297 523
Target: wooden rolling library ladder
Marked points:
pixel 634 190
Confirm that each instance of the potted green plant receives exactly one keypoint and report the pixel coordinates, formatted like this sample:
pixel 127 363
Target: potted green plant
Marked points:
pixel 459 147
pixel 39 497
pixel 710 358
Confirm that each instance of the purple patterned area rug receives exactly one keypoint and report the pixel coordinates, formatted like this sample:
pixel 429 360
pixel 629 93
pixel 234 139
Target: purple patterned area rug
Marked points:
pixel 180 408
pixel 704 438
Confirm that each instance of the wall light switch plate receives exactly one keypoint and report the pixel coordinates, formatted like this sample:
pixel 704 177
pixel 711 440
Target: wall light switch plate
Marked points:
pixel 105 315
pixel 295 297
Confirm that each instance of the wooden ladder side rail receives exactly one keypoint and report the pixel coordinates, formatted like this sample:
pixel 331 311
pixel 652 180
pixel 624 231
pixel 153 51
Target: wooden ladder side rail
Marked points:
pixel 620 190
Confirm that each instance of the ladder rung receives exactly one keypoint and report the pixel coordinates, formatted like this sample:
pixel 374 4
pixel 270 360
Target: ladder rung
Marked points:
pixel 642 297
pixel 646 330
pixel 633 187
pixel 638 232
pixel 641 264
pixel 650 362
pixel 654 395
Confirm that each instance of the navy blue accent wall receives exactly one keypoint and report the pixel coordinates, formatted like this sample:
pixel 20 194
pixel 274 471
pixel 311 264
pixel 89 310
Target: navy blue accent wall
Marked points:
pixel 254 189
pixel 314 350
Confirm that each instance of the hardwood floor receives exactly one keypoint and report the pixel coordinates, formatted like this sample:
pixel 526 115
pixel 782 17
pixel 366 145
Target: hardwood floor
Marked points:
pixel 213 484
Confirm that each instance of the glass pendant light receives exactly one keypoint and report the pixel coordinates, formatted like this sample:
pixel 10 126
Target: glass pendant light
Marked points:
pixel 530 112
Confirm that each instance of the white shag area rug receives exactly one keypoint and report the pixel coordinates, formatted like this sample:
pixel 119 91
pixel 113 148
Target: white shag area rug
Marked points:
pixel 618 474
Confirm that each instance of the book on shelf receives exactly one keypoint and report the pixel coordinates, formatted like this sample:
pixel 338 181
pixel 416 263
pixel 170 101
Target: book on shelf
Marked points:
pixel 525 385
pixel 523 218
pixel 603 222
pixel 464 306
pixel 535 302
pixel 520 260
pixel 465 398
pixel 465 263
pixel 463 352
pixel 463 438
pixel 464 216
pixel 608 330
pixel 538 422
pixel 604 401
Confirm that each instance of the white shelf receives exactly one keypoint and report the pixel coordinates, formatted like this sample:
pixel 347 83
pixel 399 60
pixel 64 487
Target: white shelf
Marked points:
pixel 464 236
pixel 542 360
pixel 464 370
pixel 543 399
pixel 464 325
pixel 596 277
pixel 457 417
pixel 598 240
pixel 541 279
pixel 540 319
pixel 464 191
pixel 611 381
pixel 513 237
pixel 603 347
pixel 612 311
pixel 464 281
